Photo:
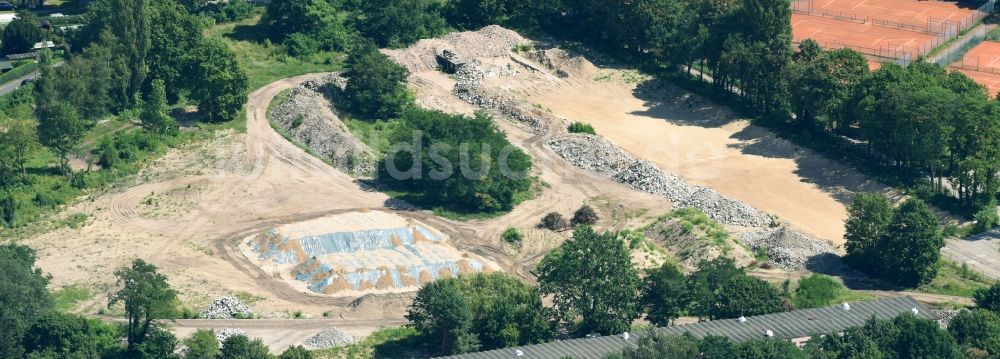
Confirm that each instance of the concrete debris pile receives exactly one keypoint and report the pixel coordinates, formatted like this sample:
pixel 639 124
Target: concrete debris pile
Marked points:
pixel 792 250
pixel 787 248
pixel 308 117
pixel 489 42
pixel 329 338
pixel 597 154
pixel 222 334
pixel 476 72
pixel 533 120
pixel 227 308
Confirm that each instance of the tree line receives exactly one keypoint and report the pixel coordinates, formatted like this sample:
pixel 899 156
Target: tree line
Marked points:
pixel 595 289
pixel 132 59
pixel 32 327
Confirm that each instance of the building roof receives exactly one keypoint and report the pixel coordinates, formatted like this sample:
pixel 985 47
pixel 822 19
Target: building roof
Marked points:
pixel 788 325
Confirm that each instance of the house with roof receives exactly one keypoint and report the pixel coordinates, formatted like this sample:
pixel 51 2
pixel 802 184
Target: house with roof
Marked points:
pixel 796 326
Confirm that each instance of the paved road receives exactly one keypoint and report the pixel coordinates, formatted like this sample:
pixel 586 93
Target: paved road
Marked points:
pixel 981 252
pixel 13 85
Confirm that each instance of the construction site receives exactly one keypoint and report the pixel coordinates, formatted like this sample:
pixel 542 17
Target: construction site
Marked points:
pixel 264 218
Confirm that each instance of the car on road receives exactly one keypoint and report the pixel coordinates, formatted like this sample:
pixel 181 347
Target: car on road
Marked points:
pixel 6 6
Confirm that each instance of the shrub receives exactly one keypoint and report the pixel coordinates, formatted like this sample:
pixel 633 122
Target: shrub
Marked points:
pixel 988 298
pixel 585 215
pixel 553 221
pixel 512 235
pixel 817 291
pixel 8 208
pixel 45 199
pixel 300 45
pixel 986 217
pixel 580 127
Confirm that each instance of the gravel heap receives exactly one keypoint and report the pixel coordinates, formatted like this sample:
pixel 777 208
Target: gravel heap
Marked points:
pixel 329 338
pixel 597 154
pixel 532 119
pixel 946 315
pixel 475 72
pixel 792 250
pixel 226 308
pixel 310 119
pixel 490 41
pixel 222 334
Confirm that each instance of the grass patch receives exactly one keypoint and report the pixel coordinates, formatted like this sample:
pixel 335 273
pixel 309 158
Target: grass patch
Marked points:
pixel 580 127
pixel 248 298
pixel 401 342
pixel 955 279
pixel 374 134
pixel 691 219
pixel 264 61
pixel 67 298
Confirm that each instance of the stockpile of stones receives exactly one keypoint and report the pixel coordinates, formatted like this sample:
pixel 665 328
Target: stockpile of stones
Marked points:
pixel 329 338
pixel 531 118
pixel 792 250
pixel 227 308
pixel 597 154
pixel 222 334
pixel 786 247
pixel 309 117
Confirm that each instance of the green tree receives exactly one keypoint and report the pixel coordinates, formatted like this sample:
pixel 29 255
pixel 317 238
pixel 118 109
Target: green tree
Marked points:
pixel 978 329
pixel 591 276
pixel 21 33
pixel 18 137
pixel 146 297
pixel 375 84
pixel 911 249
pixel 441 313
pixel 822 81
pixel 585 215
pixel 295 352
pixel 868 220
pixel 398 23
pixel 154 111
pixel 716 347
pixel 159 344
pixel 505 311
pixel 653 344
pixel 907 336
pixel 60 129
pixel 23 296
pixel 455 162
pixel 201 345
pixel 704 283
pixel 988 298
pixel 241 347
pixel 746 296
pixel 217 82
pixel 816 291
pixel 768 348
pixel 64 335
pixel 284 18
pixel 665 295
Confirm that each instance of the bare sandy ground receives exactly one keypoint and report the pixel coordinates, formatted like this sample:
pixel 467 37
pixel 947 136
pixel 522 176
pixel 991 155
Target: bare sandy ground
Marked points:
pixel 699 141
pixel 186 212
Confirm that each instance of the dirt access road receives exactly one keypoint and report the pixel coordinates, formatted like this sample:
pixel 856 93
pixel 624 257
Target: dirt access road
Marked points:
pixel 183 212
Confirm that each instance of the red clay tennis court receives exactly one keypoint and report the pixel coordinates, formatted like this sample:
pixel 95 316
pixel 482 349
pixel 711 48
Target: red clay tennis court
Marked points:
pixel 882 42
pixel 907 11
pixel 982 64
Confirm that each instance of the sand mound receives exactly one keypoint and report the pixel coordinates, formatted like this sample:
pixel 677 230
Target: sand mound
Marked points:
pixel 490 41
